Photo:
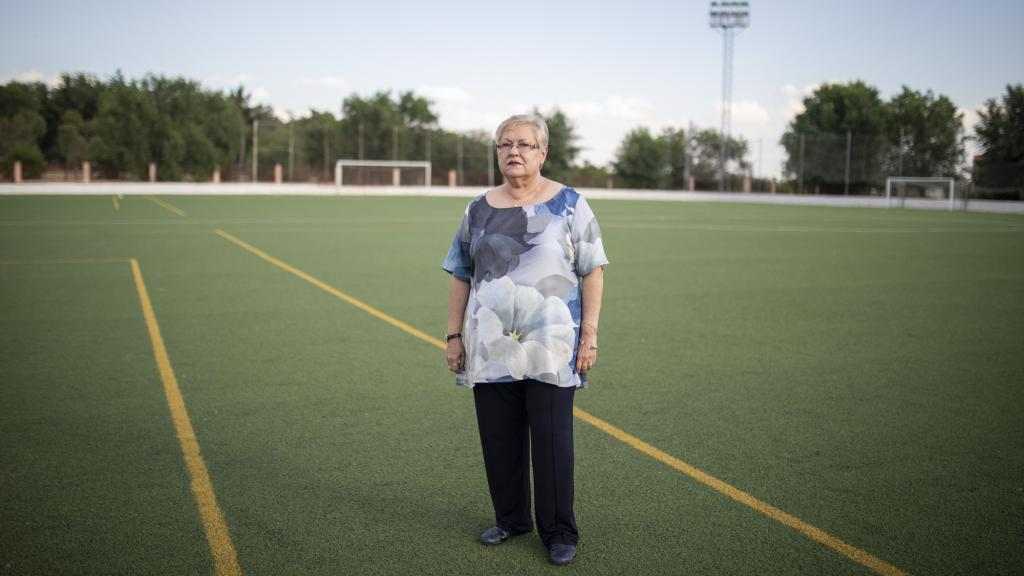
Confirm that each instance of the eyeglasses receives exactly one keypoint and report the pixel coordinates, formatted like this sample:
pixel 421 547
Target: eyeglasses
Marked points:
pixel 523 147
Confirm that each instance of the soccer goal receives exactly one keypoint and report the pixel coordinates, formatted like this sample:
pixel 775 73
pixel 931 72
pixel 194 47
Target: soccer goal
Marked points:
pixel 381 173
pixel 922 192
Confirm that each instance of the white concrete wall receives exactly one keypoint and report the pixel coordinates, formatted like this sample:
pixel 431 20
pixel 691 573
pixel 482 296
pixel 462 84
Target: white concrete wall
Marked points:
pixel 243 189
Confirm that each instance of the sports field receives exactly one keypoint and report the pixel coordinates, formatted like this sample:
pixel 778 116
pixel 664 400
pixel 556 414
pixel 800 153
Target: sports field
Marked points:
pixel 193 385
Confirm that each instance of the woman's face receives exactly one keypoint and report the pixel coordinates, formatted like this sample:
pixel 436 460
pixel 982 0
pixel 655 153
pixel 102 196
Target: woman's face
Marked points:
pixel 520 160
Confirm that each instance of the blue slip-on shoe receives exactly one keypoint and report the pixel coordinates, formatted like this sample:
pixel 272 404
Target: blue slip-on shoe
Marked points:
pixel 562 554
pixel 494 536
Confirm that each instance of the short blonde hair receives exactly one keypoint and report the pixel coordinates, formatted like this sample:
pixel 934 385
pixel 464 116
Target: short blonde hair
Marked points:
pixel 540 127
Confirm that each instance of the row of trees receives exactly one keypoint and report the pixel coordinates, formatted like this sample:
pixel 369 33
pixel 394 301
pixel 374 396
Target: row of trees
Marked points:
pixel 846 138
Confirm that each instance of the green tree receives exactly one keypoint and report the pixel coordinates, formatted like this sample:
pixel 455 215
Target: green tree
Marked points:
pixel 925 132
pixel 74 92
pixel 562 148
pixel 376 123
pixel 677 156
pixel 705 154
pixel 123 123
pixel 818 135
pixel 21 128
pixel 75 139
pixel 589 176
pixel 640 161
pixel 1000 133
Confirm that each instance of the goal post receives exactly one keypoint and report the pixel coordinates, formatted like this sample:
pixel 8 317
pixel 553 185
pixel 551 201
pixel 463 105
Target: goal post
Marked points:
pixel 925 182
pixel 395 166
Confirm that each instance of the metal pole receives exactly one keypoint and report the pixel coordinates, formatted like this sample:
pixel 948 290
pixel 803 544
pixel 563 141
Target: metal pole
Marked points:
pixel 255 149
pixel 461 179
pixel 327 150
pixel 846 184
pixel 291 150
pixel 902 148
pixel 490 167
pixel 241 152
pixel 426 146
pixel 726 103
pixel 688 145
pixel 760 152
pixel 800 188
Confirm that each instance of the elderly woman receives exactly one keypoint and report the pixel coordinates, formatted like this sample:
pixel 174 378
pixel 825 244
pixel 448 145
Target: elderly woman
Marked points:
pixel 527 266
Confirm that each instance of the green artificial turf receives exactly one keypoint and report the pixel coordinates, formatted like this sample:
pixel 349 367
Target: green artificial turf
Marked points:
pixel 859 369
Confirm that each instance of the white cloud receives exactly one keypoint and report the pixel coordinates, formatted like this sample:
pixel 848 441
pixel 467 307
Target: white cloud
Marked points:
pixel 466 118
pixel 970 117
pixel 230 82
pixel 795 97
pixel 260 94
pixel 746 112
pixel 613 107
pixel 30 76
pixel 444 94
pixel 333 83
pixel 582 109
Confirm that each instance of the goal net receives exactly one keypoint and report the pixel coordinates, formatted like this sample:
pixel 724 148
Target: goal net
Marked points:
pixel 920 192
pixel 381 173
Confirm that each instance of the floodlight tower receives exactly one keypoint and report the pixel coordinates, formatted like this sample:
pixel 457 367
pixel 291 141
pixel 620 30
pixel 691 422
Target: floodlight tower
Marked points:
pixel 730 18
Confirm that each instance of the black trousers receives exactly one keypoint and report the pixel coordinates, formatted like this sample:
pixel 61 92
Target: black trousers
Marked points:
pixel 512 417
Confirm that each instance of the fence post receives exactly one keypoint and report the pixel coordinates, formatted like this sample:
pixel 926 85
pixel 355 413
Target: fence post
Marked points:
pixel 462 179
pixel 774 186
pixel 800 188
pixel 396 177
pixel 846 184
pixel 610 182
pixel 278 173
pixel 691 183
pixel 152 171
pixel 86 172
pixel 490 168
pixel 452 178
pixel 216 175
pixel 746 185
pixel 17 171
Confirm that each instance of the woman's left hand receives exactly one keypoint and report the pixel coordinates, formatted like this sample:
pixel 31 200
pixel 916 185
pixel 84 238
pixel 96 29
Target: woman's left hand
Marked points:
pixel 586 355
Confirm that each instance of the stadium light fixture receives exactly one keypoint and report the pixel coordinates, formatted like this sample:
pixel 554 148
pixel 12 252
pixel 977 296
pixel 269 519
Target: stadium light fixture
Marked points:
pixel 730 18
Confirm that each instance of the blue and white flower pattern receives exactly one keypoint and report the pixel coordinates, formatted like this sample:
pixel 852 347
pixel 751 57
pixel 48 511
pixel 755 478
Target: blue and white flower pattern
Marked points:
pixel 524 267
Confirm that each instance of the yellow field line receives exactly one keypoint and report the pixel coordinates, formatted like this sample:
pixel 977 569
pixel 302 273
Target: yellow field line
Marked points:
pixel 117 205
pixel 852 552
pixel 224 558
pixel 168 206
pixel 332 290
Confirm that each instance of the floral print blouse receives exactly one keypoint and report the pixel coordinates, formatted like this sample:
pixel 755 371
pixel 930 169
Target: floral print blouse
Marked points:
pixel 524 266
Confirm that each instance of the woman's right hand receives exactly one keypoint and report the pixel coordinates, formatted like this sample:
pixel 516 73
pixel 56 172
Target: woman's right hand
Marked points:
pixel 455 355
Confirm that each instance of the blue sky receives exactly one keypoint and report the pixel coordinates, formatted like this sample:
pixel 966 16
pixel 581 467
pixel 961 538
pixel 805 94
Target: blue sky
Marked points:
pixel 612 66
